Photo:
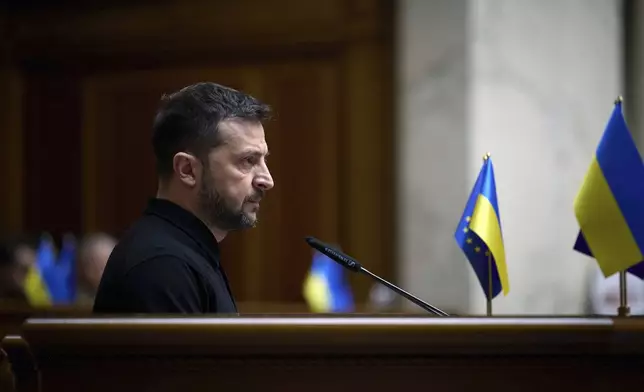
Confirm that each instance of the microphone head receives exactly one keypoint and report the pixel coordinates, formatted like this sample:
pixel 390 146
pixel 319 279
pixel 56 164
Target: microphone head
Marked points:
pixel 334 254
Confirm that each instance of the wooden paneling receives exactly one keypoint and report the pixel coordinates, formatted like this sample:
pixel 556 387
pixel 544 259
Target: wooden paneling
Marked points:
pixel 190 26
pixel 94 78
pixel 11 150
pixel 52 168
pixel 11 146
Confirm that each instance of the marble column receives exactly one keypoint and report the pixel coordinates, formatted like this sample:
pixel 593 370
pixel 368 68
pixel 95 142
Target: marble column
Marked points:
pixel 532 82
pixel 634 78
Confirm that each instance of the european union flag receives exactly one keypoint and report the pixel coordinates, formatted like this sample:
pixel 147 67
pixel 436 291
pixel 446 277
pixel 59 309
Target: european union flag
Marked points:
pixel 610 204
pixel 325 288
pixel 479 234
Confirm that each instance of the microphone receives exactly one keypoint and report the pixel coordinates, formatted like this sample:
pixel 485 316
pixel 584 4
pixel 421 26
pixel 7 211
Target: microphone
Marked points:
pixel 353 265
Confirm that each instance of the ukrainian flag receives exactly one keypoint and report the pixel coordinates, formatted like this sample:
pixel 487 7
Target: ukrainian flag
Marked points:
pixel 59 271
pixel 610 204
pixel 325 288
pixel 479 234
pixel 36 287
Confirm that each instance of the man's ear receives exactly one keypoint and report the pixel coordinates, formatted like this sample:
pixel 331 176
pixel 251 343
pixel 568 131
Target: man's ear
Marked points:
pixel 187 168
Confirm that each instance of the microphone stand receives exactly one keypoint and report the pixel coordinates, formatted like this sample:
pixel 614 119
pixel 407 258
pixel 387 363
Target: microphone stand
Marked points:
pixel 353 265
pixel 419 302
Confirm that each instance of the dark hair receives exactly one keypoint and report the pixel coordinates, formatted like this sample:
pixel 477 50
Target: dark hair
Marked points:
pixel 188 120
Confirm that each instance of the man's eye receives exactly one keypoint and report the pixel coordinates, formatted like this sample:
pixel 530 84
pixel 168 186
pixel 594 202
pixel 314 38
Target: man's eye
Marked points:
pixel 248 161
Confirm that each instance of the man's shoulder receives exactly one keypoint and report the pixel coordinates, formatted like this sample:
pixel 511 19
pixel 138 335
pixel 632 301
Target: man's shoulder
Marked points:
pixel 150 234
pixel 151 238
pixel 147 239
pixel 149 228
pixel 128 255
pixel 159 283
pixel 159 264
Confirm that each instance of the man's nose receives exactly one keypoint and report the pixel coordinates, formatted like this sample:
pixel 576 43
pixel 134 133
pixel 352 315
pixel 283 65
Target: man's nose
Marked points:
pixel 264 181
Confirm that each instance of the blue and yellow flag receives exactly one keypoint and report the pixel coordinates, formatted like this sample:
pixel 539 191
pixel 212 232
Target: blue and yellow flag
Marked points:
pixel 60 274
pixel 479 234
pixel 610 204
pixel 36 289
pixel 36 285
pixel 325 288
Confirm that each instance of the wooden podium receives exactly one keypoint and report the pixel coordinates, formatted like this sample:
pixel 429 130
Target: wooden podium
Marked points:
pixel 336 354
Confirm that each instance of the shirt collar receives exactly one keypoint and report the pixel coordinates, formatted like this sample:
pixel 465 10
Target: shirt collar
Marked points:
pixel 188 223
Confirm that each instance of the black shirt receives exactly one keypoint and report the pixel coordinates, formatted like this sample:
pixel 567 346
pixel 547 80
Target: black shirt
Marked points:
pixel 167 262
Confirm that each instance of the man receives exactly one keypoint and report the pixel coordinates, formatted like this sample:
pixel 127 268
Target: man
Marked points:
pixel 92 255
pixel 211 162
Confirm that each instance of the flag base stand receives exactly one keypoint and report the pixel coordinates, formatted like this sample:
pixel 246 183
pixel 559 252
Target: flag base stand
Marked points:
pixel 623 310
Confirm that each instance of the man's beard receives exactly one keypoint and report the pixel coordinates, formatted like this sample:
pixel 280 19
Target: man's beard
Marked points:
pixel 218 212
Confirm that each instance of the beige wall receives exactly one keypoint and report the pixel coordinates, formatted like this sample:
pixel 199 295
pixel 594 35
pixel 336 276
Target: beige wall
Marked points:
pixel 531 81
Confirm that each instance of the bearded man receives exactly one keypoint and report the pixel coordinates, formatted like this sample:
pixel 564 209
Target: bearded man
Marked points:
pixel 211 163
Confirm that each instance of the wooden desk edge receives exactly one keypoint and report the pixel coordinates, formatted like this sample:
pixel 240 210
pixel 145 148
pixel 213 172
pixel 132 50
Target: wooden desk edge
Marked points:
pixel 292 335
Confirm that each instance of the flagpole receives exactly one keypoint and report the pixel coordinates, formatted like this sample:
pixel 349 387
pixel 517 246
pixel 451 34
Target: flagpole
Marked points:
pixel 623 310
pixel 489 266
pixel 489 284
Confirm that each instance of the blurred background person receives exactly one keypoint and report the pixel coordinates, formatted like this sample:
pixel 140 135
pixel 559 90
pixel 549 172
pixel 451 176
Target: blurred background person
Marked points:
pixel 16 258
pixel 10 288
pixel 93 252
pixel 24 255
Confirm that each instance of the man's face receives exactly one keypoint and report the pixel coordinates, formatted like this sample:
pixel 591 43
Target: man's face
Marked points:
pixel 235 176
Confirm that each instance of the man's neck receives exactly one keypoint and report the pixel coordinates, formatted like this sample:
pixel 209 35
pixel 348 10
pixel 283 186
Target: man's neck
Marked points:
pixel 165 194
pixel 219 234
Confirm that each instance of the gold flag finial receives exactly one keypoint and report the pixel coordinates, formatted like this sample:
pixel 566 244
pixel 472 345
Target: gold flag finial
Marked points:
pixel 486 156
pixel 619 99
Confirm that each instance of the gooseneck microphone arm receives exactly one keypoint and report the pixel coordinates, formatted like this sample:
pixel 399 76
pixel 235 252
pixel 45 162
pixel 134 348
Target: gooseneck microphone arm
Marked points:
pixel 409 296
pixel 353 265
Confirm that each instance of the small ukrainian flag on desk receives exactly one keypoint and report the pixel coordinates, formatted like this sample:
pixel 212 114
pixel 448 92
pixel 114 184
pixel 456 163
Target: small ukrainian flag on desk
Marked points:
pixel 325 288
pixel 610 204
pixel 479 234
